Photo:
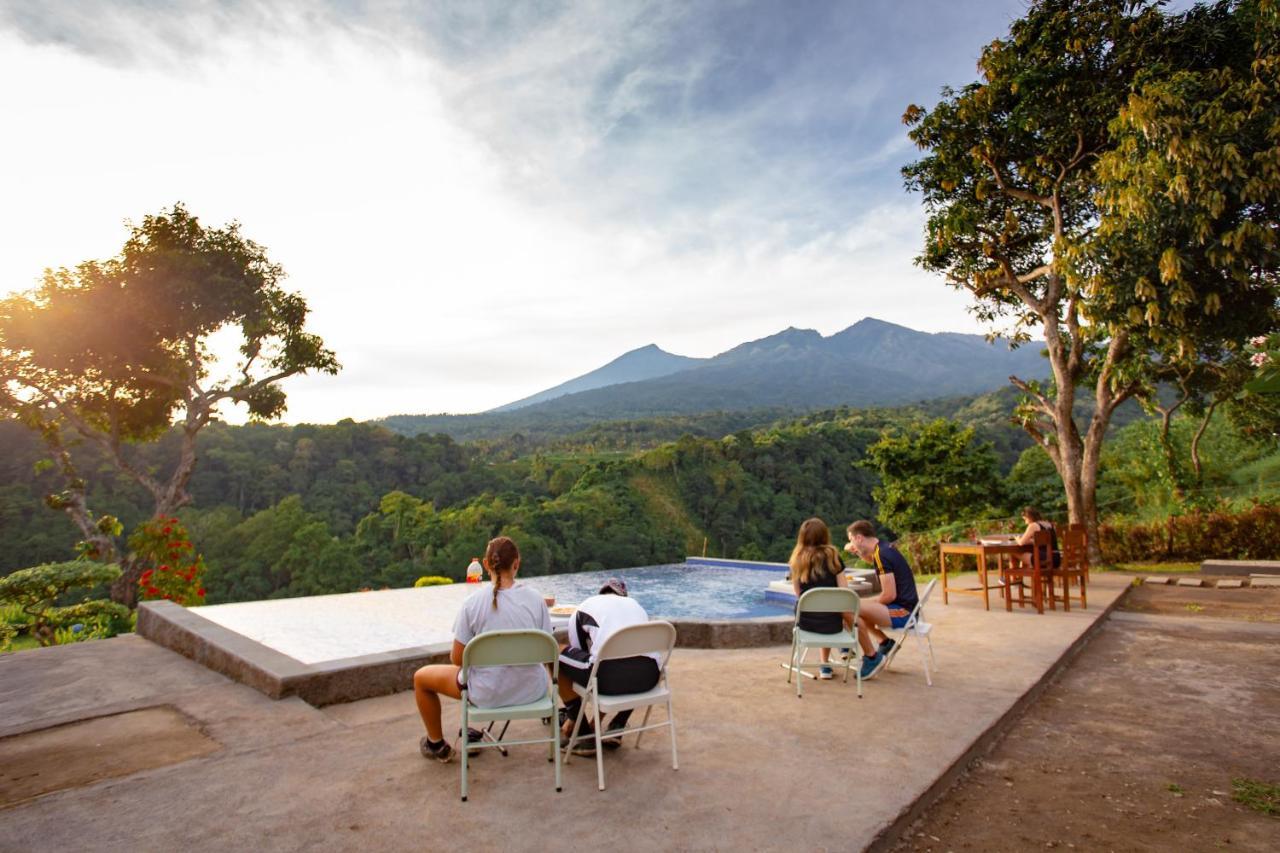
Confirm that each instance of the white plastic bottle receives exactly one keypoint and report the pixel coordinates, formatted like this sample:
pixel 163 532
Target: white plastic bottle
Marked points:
pixel 474 571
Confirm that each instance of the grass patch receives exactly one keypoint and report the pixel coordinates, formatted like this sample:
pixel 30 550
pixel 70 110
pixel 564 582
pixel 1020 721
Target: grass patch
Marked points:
pixel 1193 607
pixel 23 642
pixel 1153 568
pixel 1174 788
pixel 1258 796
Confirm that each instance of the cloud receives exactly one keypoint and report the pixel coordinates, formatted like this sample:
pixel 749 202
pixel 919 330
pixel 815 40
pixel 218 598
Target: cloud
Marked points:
pixel 480 200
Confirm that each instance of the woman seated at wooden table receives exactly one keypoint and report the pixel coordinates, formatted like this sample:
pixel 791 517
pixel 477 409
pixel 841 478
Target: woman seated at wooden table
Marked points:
pixel 1037 524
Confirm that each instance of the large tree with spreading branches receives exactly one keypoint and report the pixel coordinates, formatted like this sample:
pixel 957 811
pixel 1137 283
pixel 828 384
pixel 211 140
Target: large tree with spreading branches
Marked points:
pixel 117 352
pixel 1111 184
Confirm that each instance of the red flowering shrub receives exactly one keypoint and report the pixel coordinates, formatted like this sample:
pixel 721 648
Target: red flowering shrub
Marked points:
pixel 174 571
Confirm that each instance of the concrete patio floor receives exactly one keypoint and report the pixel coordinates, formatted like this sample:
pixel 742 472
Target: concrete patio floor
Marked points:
pixel 289 776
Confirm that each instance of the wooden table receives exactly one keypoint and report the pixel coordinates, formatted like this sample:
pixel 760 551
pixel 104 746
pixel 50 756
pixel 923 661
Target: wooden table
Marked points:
pixel 982 551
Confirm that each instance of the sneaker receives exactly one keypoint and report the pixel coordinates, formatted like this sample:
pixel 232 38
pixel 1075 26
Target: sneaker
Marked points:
pixel 826 674
pixel 586 747
pixel 440 750
pixel 473 736
pixel 872 665
pixel 618 722
pixel 886 646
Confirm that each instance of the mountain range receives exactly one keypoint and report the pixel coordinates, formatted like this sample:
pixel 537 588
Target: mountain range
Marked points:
pixel 871 363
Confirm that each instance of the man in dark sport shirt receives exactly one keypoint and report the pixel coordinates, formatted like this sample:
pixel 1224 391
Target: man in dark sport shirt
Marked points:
pixel 894 604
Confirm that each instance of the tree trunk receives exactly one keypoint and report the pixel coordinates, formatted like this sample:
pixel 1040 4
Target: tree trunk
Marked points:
pixel 1089 483
pixel 124 590
pixel 1106 401
pixel 1166 447
pixel 1077 459
pixel 1195 440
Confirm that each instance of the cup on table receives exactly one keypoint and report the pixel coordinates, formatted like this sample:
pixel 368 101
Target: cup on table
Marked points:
pixel 549 600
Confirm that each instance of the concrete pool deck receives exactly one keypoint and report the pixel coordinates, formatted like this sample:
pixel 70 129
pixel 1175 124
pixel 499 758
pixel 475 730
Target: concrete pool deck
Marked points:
pixel 290 776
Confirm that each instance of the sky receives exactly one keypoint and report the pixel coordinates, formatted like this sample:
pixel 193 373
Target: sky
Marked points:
pixel 480 200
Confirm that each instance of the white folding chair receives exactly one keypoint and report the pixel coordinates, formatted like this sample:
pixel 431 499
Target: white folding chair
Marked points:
pixel 648 638
pixel 510 648
pixel 824 600
pixel 922 630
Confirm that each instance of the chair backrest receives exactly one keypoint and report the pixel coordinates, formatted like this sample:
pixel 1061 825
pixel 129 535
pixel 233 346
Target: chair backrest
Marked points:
pixel 924 596
pixel 828 599
pixel 647 638
pixel 1075 553
pixel 919 608
pixel 510 648
pixel 1042 549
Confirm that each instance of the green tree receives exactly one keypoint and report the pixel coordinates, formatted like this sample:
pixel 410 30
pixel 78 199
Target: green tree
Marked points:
pixel 318 563
pixel 36 591
pixel 933 476
pixel 1034 481
pixel 245 564
pixel 1032 212
pixel 114 352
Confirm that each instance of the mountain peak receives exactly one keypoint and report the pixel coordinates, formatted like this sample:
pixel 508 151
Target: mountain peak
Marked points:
pixel 646 362
pixel 789 339
pixel 868 323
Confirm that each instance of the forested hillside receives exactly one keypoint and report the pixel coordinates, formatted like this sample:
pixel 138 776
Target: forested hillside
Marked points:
pixel 300 510
pixel 296 509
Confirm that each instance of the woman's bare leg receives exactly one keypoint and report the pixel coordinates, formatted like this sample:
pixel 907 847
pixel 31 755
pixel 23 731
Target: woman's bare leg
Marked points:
pixel 428 683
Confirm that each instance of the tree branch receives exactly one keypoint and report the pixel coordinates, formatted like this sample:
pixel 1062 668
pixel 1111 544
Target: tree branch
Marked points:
pixel 109 444
pixel 1018 287
pixel 1043 402
pixel 1076 352
pixel 1013 192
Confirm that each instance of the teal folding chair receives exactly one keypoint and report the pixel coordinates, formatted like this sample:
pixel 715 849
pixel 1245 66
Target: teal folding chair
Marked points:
pixel 825 600
pixel 511 648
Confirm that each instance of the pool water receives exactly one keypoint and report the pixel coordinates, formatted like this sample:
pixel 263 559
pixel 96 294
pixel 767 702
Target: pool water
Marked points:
pixel 677 590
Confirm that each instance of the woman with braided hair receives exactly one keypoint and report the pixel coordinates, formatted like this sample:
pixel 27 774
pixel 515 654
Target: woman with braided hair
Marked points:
pixel 506 605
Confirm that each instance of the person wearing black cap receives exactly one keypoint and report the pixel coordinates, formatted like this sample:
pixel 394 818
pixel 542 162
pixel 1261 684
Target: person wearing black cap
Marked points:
pixel 595 620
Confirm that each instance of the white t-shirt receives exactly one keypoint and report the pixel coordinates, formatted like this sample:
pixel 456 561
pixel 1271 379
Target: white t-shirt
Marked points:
pixel 599 617
pixel 520 607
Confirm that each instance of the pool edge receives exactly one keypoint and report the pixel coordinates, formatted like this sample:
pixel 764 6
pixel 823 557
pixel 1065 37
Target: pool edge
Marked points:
pixel 364 676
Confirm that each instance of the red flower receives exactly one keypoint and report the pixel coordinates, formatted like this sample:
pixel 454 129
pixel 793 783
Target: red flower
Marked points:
pixel 200 592
pixel 168 530
pixel 151 590
pixel 146 576
pixel 164 568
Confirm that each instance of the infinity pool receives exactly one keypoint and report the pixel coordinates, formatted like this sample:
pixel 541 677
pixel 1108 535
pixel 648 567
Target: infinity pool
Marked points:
pixel 678 590
pixel 323 628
